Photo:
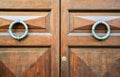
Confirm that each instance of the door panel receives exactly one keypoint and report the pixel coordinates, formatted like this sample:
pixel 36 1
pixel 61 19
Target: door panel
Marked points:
pixel 25 62
pixel 25 4
pixel 82 55
pixel 81 22
pixel 92 4
pixel 37 21
pixel 94 62
pixel 39 25
pixel 37 55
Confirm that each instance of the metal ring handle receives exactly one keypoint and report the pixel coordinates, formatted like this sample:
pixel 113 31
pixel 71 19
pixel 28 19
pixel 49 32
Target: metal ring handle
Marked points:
pixel 106 35
pixel 18 37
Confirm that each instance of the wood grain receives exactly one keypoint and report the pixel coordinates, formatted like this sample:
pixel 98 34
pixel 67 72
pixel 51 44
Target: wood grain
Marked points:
pixel 20 60
pixel 80 60
pixel 94 62
pixel 84 25
pixel 42 23
pixel 25 4
pixel 93 4
pixel 37 55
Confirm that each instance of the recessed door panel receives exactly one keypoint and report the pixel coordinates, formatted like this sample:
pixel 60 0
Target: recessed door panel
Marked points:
pixel 94 62
pixel 25 4
pixel 25 62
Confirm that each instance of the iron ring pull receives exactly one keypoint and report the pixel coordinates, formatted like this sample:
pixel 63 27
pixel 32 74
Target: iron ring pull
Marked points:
pixel 21 36
pixel 106 35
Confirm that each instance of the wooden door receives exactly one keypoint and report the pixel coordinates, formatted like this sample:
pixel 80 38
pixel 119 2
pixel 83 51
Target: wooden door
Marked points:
pixel 82 55
pixel 37 55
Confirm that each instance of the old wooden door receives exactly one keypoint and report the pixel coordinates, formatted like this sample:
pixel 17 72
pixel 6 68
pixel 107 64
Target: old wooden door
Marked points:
pixel 36 55
pixel 82 55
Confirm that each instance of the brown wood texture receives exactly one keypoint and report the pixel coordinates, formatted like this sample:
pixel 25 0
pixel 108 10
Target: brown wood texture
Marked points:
pixel 26 4
pixel 25 62
pixel 92 4
pixel 94 62
pixel 41 24
pixel 37 55
pixel 85 55
pixel 82 25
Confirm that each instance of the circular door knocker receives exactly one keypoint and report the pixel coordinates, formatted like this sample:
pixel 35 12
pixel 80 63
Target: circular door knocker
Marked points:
pixel 99 37
pixel 19 37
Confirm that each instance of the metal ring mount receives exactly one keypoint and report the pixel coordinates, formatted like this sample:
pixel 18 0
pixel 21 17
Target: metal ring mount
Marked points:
pixel 106 35
pixel 21 36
